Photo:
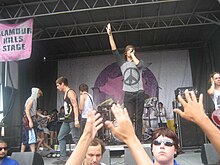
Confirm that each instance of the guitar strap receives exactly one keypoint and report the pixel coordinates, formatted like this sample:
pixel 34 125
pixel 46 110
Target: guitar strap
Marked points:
pixel 90 99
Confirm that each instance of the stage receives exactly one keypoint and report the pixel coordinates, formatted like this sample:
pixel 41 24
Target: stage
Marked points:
pixel 117 156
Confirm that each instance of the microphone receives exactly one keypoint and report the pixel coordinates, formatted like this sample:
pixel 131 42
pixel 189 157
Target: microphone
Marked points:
pixel 148 64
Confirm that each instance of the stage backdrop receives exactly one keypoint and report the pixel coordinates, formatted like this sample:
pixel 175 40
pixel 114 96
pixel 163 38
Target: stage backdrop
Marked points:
pixel 170 68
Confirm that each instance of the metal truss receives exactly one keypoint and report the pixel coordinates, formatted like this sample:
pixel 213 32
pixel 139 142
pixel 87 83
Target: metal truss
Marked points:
pixel 55 7
pixel 128 25
pixel 44 8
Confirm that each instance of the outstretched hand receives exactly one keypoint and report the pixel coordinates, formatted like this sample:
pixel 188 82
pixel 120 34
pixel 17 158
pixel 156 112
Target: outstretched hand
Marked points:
pixel 109 29
pixel 124 129
pixel 193 109
pixel 93 124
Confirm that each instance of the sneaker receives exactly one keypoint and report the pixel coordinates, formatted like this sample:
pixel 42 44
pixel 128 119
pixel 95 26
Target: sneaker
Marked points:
pixel 59 162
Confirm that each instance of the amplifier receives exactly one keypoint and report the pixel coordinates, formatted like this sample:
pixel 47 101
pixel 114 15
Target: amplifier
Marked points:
pixel 180 91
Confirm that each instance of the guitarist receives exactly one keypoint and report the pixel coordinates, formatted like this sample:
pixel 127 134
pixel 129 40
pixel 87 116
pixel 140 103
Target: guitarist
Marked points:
pixel 214 92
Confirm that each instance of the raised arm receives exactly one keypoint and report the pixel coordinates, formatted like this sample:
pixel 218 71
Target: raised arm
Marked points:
pixel 194 112
pixel 110 36
pixel 134 58
pixel 93 124
pixel 212 87
pixel 125 132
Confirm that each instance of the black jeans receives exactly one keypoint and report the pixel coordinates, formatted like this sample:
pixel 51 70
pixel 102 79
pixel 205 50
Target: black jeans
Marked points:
pixel 82 125
pixel 134 102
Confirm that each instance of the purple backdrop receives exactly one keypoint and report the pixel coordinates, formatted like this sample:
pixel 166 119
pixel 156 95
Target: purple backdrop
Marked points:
pixel 109 84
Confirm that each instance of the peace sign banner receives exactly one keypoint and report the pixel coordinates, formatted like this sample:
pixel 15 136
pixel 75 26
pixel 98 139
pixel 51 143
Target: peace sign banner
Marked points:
pixel 16 41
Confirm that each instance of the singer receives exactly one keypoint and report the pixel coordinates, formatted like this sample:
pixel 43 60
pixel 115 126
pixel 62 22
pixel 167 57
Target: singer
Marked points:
pixel 131 68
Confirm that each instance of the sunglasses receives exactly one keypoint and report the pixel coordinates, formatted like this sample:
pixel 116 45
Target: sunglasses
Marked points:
pixel 166 142
pixel 5 148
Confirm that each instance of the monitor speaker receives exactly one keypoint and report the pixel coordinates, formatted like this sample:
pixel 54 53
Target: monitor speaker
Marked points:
pixel 129 159
pixel 106 157
pixel 28 158
pixel 209 155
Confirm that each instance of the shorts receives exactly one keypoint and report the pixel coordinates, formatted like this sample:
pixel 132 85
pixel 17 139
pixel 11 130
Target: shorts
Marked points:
pixel 29 136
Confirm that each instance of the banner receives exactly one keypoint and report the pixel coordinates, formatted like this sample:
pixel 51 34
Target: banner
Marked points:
pixel 16 41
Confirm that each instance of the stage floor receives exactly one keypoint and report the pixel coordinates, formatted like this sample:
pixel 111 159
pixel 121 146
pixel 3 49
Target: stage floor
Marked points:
pixel 117 157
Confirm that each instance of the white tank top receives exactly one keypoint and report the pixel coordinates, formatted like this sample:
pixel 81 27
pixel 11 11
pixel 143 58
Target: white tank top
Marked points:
pixel 88 105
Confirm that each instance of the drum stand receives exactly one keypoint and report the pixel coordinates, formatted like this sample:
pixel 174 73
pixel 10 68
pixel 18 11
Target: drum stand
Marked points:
pixel 105 134
pixel 148 135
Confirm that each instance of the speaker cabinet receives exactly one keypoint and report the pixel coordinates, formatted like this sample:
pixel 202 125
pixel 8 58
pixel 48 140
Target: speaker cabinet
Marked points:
pixel 106 157
pixel 28 158
pixel 129 159
pixel 209 155
pixel 189 134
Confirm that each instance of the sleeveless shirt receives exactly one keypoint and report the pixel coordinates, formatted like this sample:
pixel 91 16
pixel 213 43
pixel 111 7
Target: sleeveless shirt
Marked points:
pixel 68 109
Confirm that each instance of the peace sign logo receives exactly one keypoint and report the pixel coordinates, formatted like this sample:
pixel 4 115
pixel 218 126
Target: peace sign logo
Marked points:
pixel 131 76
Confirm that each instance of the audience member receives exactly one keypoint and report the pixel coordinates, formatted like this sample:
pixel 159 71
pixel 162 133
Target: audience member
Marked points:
pixel 194 112
pixel 93 124
pixel 52 125
pixel 42 131
pixel 94 153
pixel 164 146
pixel 4 160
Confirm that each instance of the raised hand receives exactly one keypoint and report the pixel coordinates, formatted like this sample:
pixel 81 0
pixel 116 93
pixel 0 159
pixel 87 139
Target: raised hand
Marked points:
pixel 193 109
pixel 125 132
pixel 93 124
pixel 124 129
pixel 109 29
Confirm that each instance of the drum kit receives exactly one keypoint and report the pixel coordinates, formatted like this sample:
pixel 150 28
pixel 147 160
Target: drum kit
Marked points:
pixel 105 134
pixel 104 109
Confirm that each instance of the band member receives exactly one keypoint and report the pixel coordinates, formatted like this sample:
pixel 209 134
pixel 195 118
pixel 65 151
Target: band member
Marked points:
pixel 161 114
pixel 71 121
pixel 131 68
pixel 85 104
pixel 29 137
pixel 214 90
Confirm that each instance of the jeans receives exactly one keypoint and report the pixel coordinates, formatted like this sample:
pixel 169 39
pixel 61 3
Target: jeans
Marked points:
pixel 65 129
pixel 134 102
pixel 82 125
